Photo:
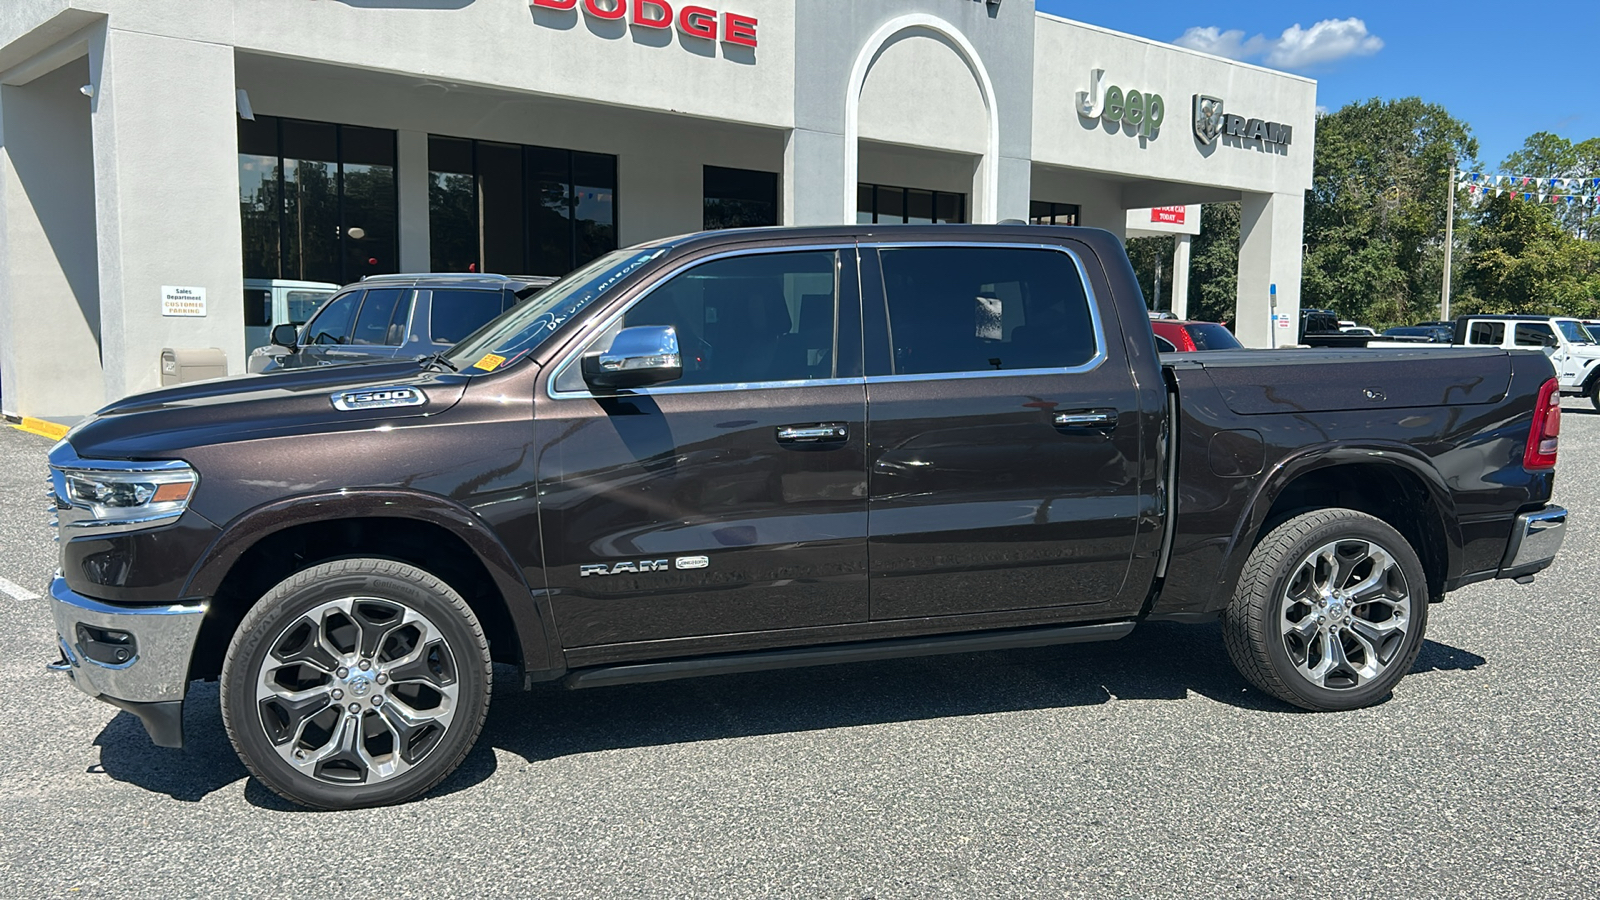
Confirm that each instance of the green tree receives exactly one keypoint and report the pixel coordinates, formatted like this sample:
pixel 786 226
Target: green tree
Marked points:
pixel 1375 215
pixel 1214 264
pixel 1150 255
pixel 1521 259
pixel 1548 157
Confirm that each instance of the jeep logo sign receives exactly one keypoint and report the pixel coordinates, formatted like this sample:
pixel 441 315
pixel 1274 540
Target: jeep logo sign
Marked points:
pixel 378 398
pixel 1142 112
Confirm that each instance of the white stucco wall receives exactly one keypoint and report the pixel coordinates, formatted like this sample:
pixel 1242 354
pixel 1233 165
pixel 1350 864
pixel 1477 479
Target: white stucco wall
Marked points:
pixel 1067 51
pixel 919 92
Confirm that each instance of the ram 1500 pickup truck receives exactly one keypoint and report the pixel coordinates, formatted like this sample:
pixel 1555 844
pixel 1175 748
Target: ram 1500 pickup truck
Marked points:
pixel 770 448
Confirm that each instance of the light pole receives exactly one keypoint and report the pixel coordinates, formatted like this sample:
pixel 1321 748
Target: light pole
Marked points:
pixel 1449 239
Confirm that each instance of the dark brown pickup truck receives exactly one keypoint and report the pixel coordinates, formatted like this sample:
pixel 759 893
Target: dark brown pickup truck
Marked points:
pixel 783 447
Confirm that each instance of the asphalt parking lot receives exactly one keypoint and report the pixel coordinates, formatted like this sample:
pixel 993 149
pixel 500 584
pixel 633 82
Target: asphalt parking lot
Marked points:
pixel 1141 768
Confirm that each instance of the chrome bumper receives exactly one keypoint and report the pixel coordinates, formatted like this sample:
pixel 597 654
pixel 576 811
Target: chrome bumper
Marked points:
pixel 1535 541
pixel 143 667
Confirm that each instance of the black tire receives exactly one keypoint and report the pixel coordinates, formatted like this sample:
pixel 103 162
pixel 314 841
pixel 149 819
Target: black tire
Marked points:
pixel 380 733
pixel 1594 393
pixel 1286 621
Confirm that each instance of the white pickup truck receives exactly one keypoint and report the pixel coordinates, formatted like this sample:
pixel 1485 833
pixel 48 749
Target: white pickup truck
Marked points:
pixel 1572 350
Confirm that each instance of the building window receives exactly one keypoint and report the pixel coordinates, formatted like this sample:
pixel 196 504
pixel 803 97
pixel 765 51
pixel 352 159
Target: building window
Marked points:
pixel 317 202
pixel 878 204
pixel 518 210
pixel 740 198
pixel 1041 213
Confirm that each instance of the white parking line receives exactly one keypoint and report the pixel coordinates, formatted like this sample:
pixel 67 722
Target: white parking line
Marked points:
pixel 16 591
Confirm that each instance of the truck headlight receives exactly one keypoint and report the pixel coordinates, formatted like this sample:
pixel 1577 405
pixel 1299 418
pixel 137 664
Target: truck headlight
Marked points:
pixel 123 496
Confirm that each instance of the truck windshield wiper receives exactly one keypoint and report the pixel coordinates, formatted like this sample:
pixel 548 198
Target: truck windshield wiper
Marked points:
pixel 438 360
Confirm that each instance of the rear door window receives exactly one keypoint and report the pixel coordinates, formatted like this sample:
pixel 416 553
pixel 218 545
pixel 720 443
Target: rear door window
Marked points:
pixel 1488 334
pixel 457 313
pixel 985 309
pixel 332 326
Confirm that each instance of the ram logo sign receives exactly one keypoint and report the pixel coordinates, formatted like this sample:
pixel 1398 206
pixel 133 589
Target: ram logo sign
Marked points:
pixel 378 398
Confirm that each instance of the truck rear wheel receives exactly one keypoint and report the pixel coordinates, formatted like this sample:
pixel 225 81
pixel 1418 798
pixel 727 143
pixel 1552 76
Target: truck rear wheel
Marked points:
pixel 358 682
pixel 1330 611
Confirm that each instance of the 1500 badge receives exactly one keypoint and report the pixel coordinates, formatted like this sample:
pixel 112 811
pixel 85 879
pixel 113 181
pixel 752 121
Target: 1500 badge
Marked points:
pixel 644 565
pixel 378 398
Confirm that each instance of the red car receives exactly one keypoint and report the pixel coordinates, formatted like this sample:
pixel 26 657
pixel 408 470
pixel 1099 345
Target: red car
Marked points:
pixel 1178 335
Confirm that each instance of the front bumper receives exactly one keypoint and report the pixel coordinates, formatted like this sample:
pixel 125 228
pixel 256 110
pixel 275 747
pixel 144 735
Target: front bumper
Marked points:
pixel 1535 541
pixel 133 657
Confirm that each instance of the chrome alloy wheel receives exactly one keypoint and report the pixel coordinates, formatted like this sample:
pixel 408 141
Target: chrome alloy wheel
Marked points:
pixel 1346 611
pixel 357 690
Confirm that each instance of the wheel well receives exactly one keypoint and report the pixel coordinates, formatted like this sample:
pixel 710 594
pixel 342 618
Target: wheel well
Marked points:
pixel 1385 492
pixel 283 553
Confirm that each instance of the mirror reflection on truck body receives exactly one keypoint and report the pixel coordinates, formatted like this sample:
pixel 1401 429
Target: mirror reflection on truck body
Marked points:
pixel 638 356
pixel 284 335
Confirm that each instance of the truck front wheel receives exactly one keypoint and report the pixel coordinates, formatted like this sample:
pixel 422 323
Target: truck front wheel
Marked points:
pixel 1330 611
pixel 358 682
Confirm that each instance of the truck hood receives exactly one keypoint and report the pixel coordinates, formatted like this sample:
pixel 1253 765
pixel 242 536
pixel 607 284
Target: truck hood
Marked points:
pixel 164 422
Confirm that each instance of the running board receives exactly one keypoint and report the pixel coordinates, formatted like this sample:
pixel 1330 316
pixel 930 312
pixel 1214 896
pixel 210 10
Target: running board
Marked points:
pixel 761 661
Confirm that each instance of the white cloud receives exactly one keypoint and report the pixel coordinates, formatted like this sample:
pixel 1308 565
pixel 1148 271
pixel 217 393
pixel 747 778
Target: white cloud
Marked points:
pixel 1327 41
pixel 1213 40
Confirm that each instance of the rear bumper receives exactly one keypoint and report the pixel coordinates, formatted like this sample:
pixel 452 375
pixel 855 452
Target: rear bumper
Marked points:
pixel 1535 541
pixel 133 657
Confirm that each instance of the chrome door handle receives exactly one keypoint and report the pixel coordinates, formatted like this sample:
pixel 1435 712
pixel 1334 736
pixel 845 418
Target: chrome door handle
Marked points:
pixel 832 431
pixel 1088 418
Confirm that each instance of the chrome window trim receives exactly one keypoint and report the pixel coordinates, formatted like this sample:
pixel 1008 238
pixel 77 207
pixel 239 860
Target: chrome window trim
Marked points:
pixel 1095 324
pixel 591 331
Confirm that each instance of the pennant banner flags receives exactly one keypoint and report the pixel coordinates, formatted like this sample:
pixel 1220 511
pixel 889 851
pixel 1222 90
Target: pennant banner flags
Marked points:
pixel 1556 190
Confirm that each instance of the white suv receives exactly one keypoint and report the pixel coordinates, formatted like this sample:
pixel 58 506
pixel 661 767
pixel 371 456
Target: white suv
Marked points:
pixel 1572 350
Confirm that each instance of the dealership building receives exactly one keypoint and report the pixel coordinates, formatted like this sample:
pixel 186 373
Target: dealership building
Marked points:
pixel 155 155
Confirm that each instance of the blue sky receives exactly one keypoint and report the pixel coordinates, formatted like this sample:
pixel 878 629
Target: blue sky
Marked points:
pixel 1507 70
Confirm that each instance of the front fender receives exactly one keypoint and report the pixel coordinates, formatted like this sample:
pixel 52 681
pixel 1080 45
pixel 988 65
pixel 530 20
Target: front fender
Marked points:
pixel 528 608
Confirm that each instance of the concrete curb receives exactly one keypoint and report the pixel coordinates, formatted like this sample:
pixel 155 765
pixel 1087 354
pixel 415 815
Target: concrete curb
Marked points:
pixel 40 427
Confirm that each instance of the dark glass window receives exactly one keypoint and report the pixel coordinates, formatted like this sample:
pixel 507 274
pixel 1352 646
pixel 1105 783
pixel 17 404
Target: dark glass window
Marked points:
pixel 452 206
pixel 1490 333
pixel 257 308
pixel 550 207
pixel 332 326
pixel 1042 213
pixel 500 204
pixel 882 204
pixel 458 313
pixel 739 198
pixel 377 314
pixel 1535 334
pixel 594 200
pixel 317 201
pixel 749 318
pixel 518 210
pixel 982 310
pixel 370 213
pixel 304 304
pixel 1208 336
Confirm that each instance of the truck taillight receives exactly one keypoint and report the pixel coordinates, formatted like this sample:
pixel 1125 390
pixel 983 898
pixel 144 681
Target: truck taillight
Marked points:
pixel 1546 431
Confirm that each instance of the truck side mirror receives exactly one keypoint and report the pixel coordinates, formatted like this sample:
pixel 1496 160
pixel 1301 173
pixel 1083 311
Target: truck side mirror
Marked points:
pixel 284 335
pixel 638 356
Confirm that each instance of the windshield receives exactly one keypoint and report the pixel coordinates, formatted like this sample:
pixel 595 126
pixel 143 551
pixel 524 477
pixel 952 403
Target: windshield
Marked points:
pixel 1574 331
pixel 508 337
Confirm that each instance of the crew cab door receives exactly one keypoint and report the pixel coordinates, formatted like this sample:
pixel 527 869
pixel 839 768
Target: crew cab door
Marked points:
pixel 1004 435
pixel 732 500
